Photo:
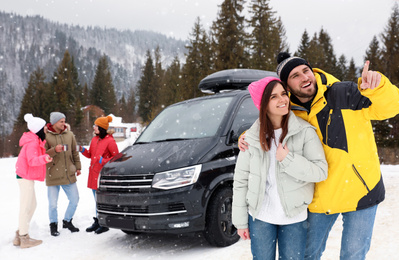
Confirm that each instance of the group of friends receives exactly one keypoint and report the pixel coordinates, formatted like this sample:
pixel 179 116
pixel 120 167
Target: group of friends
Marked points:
pixel 50 152
pixel 310 157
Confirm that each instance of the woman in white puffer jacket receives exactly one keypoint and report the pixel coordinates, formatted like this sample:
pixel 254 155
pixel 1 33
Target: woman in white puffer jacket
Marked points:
pixel 274 179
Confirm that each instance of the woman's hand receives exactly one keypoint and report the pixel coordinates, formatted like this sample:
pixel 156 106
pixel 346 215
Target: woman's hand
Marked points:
pixel 48 159
pixel 281 152
pixel 242 145
pixel 243 233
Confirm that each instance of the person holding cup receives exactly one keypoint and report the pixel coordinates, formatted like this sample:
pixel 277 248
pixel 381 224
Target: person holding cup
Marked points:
pixel 30 167
pixel 62 171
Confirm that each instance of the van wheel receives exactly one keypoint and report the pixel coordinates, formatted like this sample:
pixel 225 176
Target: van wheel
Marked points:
pixel 219 230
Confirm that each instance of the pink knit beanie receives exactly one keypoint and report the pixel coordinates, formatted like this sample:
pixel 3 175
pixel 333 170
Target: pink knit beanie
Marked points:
pixel 257 88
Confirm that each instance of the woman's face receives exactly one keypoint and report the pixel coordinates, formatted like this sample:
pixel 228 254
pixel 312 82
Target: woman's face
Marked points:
pixel 279 102
pixel 96 131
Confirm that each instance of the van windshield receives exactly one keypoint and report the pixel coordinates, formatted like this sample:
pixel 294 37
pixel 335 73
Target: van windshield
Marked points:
pixel 188 120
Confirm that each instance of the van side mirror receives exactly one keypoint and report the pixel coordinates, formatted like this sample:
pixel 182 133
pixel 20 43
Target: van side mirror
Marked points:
pixel 233 139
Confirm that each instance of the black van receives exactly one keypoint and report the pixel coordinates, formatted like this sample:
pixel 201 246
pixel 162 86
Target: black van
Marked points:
pixel 177 177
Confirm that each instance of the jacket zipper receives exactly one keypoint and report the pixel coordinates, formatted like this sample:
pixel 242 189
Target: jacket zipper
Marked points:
pixel 360 177
pixel 65 160
pixel 328 124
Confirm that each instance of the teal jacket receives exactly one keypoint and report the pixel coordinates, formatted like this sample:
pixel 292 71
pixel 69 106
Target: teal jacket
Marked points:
pixel 296 174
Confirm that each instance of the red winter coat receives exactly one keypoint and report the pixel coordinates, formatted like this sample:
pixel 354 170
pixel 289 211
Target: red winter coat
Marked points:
pixel 31 162
pixel 105 148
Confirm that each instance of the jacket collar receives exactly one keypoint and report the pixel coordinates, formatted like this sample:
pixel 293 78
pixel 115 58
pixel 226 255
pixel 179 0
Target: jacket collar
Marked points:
pixel 51 129
pixel 317 103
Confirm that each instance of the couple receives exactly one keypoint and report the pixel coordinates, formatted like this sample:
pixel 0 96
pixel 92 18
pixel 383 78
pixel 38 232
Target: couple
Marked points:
pixel 62 147
pixel 274 200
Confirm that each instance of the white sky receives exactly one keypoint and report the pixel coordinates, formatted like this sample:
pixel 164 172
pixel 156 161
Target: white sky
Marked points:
pixel 350 23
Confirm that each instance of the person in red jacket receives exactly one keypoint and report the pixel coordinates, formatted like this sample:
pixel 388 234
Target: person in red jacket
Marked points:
pixel 102 148
pixel 30 167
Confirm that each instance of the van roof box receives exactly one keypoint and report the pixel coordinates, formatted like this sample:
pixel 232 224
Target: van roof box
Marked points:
pixel 232 79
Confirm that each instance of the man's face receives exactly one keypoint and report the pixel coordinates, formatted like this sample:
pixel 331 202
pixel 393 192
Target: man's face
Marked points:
pixel 302 83
pixel 60 125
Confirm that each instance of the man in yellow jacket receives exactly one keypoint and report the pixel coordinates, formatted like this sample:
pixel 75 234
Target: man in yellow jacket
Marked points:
pixel 341 112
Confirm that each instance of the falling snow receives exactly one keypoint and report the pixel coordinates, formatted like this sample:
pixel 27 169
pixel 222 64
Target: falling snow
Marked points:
pixel 115 244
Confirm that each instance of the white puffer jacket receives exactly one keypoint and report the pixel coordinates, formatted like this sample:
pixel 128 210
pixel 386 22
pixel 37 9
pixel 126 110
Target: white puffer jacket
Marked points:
pixel 296 174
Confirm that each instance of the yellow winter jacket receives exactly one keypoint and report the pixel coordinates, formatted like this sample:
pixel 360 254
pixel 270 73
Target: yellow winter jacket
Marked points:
pixel 341 112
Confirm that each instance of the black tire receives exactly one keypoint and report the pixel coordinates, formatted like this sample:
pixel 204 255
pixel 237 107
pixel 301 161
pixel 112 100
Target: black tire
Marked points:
pixel 219 230
pixel 131 232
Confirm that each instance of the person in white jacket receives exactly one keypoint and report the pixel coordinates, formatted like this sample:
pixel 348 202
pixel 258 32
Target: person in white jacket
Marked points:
pixel 274 179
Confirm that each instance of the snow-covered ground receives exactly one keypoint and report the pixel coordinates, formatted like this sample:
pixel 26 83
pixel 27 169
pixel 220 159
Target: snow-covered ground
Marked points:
pixel 117 245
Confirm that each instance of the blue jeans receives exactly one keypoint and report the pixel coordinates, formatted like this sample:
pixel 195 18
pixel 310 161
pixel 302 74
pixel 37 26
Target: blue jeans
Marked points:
pixel 291 240
pixel 356 233
pixel 95 201
pixel 71 191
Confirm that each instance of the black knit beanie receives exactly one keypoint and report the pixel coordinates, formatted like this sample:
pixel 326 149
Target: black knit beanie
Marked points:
pixel 286 64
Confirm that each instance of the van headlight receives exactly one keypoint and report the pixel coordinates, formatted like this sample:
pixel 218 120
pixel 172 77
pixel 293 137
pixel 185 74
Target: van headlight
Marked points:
pixel 176 178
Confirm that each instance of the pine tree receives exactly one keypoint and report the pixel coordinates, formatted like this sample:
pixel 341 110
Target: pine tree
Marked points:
pixel 228 36
pixel 85 95
pixel 373 54
pixel 329 62
pixel 198 62
pixel 36 98
pixel 390 63
pixel 267 38
pixel 172 90
pixel 145 106
pixel 157 83
pixel 352 74
pixel 103 91
pixel 122 108
pixel 66 90
pixel 304 47
pixel 315 53
pixel 342 69
pixel 390 49
pixel 131 107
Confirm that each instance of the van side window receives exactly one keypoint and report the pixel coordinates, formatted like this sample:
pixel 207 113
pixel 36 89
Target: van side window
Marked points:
pixel 246 115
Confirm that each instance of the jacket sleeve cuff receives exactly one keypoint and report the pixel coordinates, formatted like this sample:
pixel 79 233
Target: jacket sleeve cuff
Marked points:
pixel 287 160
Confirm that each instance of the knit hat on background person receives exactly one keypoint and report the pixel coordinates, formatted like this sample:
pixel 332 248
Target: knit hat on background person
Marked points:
pixel 103 122
pixel 35 124
pixel 286 64
pixel 257 88
pixel 55 117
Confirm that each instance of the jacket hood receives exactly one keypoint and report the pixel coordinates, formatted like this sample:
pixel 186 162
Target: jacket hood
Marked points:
pixel 295 125
pixel 28 137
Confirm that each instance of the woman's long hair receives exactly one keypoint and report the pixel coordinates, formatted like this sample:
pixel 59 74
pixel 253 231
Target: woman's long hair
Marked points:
pixel 103 133
pixel 266 131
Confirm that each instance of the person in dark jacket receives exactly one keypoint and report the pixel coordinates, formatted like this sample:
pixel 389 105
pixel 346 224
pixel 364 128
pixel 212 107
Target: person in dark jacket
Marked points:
pixel 30 167
pixel 62 171
pixel 341 113
pixel 102 148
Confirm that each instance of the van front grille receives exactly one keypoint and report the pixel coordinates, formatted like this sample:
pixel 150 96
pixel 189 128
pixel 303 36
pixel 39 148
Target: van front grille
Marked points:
pixel 126 183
